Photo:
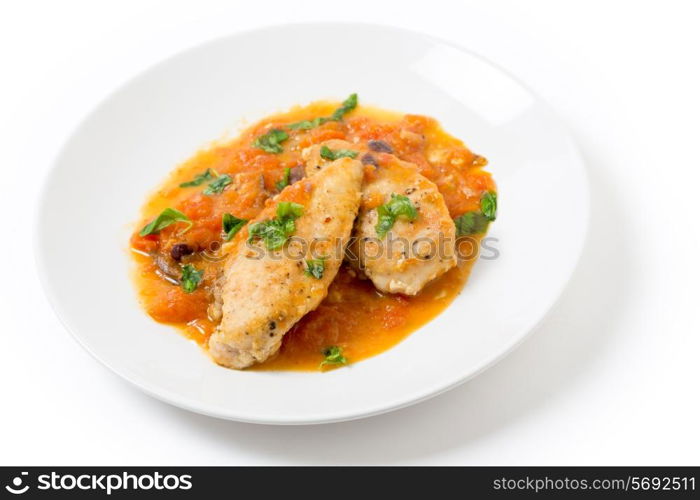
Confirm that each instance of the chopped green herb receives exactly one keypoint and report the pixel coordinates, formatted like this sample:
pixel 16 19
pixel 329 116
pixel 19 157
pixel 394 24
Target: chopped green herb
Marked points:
pixel 315 268
pixel 333 355
pixel 231 225
pixel 271 142
pixel 190 278
pixel 274 232
pixel 471 223
pixel 328 154
pixel 167 217
pixel 385 222
pixel 489 205
pixel 217 186
pixel 399 205
pixel 289 210
pixel 347 105
pixel 308 124
pixel 284 181
pixel 200 179
pixel 270 232
pixel 477 221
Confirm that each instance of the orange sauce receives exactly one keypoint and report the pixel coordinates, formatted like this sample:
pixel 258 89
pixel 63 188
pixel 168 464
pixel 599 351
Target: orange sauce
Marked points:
pixel 354 315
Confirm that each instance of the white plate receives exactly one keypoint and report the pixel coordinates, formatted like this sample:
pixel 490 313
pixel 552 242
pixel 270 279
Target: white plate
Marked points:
pixel 128 144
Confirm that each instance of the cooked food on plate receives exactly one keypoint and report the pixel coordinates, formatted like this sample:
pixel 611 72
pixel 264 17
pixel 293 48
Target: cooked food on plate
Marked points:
pixel 392 198
pixel 317 238
pixel 262 298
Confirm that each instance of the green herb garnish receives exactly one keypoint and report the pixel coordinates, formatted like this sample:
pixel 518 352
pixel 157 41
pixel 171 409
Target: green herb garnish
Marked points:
pixel 471 223
pixel 271 142
pixel 270 232
pixel 328 154
pixel 477 221
pixel 284 181
pixel 399 205
pixel 346 106
pixel 315 268
pixel 200 179
pixel 274 232
pixel 217 186
pixel 167 217
pixel 308 124
pixel 231 225
pixel 289 210
pixel 489 205
pixel 333 356
pixel 190 278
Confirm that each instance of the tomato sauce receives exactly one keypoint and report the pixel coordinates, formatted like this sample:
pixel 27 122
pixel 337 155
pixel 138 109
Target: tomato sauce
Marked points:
pixel 354 315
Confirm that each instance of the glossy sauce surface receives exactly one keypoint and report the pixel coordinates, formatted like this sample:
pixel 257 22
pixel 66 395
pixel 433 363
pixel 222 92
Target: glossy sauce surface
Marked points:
pixel 354 315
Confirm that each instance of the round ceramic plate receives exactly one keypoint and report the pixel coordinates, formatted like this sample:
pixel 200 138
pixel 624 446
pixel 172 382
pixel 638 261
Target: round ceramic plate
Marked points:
pixel 128 144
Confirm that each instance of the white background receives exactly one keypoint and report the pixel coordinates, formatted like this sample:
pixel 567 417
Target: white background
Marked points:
pixel 611 377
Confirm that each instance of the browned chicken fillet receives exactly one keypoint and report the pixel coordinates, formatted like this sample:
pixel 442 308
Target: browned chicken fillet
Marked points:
pixel 263 293
pixel 412 253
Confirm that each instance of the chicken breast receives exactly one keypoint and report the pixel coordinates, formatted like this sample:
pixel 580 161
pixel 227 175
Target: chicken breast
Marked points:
pixel 413 252
pixel 263 293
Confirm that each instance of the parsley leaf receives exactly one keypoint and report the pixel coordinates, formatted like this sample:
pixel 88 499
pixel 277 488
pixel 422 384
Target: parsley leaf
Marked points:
pixel 328 154
pixel 477 221
pixel 231 225
pixel 489 205
pixel 200 179
pixel 315 268
pixel 308 124
pixel 289 210
pixel 399 205
pixel 274 232
pixel 270 232
pixel 284 181
pixel 333 356
pixel 346 106
pixel 167 217
pixel 217 186
pixel 190 278
pixel 271 141
pixel 471 223
pixel 385 221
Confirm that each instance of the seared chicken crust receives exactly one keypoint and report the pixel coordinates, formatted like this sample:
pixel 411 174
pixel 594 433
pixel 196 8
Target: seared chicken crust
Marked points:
pixel 263 293
pixel 413 253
